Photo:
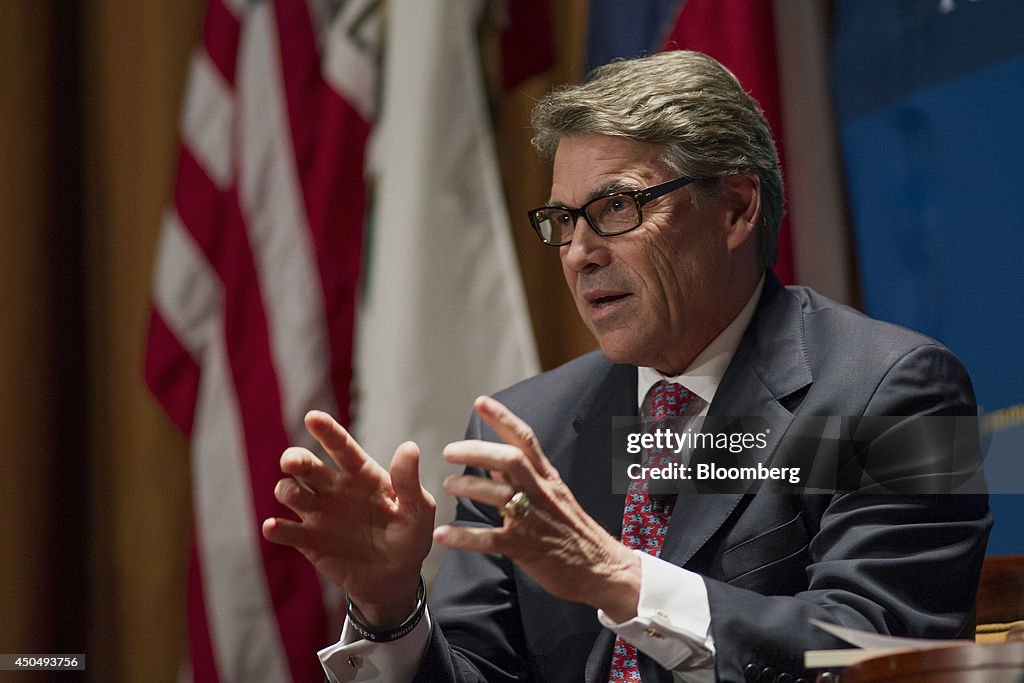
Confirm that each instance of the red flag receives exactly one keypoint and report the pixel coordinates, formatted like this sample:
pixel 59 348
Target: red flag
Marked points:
pixel 254 296
pixel 741 35
pixel 527 46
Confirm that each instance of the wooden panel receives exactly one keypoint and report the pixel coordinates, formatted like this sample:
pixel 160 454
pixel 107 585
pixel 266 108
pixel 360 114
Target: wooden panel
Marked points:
pixel 1001 591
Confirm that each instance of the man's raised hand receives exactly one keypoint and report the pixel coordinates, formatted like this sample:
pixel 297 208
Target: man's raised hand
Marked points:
pixel 363 527
pixel 557 544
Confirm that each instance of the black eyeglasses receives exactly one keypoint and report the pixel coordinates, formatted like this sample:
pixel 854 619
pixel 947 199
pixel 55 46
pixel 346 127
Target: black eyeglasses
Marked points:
pixel 608 215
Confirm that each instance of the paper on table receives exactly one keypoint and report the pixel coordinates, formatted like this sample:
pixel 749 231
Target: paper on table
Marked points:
pixel 867 644
pixel 865 639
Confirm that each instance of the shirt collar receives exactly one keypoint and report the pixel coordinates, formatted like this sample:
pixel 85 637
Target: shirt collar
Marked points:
pixel 705 373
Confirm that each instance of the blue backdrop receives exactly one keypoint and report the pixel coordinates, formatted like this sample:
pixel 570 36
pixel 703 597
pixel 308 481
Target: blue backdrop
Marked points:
pixel 929 98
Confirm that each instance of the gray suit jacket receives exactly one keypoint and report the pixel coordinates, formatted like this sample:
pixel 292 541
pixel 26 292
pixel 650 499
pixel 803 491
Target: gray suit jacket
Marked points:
pixel 906 565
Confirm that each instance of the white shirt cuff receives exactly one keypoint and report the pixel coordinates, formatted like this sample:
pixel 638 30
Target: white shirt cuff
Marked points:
pixel 673 621
pixel 354 659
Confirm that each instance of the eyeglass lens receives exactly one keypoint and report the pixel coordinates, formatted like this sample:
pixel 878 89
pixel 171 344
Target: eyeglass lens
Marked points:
pixel 609 215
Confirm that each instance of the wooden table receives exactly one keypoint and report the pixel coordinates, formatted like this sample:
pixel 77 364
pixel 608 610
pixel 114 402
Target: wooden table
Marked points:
pixel 1003 663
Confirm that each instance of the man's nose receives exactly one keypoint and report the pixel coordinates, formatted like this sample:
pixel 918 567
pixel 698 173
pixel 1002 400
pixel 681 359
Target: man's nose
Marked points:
pixel 588 250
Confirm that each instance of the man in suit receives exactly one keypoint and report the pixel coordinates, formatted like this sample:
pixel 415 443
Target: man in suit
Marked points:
pixel 665 206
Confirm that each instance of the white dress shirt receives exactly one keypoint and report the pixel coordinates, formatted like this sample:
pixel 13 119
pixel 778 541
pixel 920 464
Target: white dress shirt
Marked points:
pixel 673 621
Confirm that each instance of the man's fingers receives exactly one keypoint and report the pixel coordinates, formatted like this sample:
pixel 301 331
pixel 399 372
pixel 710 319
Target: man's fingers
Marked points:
pixel 467 538
pixel 405 479
pixel 513 430
pixel 307 469
pixel 480 489
pixel 338 443
pixel 299 499
pixel 498 458
pixel 288 532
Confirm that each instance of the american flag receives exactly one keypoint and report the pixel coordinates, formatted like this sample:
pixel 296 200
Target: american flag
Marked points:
pixel 254 303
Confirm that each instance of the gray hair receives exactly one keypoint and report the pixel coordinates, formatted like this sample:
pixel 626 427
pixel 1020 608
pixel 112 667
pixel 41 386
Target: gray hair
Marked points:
pixel 687 102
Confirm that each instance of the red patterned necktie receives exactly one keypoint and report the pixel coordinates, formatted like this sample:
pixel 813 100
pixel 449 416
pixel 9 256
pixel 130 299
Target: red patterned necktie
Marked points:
pixel 643 528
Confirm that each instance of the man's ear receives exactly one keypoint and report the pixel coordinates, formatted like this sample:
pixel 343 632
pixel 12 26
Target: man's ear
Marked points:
pixel 742 199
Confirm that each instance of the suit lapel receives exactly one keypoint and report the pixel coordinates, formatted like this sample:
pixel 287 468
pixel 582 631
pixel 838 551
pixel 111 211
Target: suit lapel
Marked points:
pixel 589 469
pixel 770 364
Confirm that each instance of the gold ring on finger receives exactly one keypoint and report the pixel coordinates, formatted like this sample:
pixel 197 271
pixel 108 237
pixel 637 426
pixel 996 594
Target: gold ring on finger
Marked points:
pixel 517 507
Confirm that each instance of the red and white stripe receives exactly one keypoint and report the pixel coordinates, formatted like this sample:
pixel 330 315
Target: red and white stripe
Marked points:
pixel 253 308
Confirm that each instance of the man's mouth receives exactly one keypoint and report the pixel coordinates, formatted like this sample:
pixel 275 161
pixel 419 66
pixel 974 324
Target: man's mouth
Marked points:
pixel 602 299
